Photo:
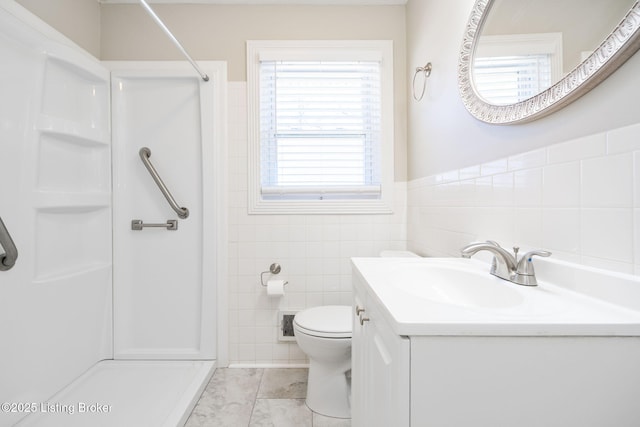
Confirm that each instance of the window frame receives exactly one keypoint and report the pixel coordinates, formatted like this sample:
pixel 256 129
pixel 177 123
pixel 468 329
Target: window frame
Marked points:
pixel 318 50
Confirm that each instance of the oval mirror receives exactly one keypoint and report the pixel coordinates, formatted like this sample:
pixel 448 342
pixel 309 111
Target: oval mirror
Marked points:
pixel 521 60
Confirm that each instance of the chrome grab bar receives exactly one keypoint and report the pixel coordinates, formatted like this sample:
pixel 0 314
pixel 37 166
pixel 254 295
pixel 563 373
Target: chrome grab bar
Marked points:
pixel 145 153
pixel 138 224
pixel 7 259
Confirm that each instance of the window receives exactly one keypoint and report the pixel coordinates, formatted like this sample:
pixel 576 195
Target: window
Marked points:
pixel 511 68
pixel 321 134
pixel 504 80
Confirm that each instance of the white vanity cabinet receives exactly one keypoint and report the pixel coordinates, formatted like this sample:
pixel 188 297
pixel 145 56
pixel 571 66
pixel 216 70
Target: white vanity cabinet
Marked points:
pixel 408 372
pixel 546 381
pixel 380 368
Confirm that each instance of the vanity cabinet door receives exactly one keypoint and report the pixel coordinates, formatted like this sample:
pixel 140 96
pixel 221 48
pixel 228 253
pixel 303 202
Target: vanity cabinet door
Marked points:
pixel 380 373
pixel 358 386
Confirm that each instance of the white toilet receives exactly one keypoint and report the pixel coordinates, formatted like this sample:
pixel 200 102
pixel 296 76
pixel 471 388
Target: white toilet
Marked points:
pixel 324 334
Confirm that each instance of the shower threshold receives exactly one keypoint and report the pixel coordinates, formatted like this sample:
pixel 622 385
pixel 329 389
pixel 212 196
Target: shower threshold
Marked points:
pixel 127 393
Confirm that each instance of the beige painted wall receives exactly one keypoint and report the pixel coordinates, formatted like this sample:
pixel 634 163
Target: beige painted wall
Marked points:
pixel 218 32
pixel 79 20
pixel 443 136
pixel 215 32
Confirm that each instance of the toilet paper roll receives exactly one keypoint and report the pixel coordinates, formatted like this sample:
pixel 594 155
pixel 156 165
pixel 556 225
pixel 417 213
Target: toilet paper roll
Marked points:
pixel 275 288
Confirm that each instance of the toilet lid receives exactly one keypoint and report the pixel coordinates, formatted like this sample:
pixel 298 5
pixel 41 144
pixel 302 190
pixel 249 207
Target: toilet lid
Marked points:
pixel 329 321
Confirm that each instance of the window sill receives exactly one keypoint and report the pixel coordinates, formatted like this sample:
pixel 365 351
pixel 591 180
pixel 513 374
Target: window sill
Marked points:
pixel 324 207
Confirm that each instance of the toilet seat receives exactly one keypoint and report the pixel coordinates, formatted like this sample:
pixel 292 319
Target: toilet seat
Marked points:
pixel 330 321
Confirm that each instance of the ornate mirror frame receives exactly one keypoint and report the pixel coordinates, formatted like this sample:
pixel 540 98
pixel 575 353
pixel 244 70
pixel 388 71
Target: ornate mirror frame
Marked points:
pixel 619 46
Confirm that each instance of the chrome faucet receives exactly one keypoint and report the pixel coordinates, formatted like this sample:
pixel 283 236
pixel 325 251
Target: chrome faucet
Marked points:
pixel 505 265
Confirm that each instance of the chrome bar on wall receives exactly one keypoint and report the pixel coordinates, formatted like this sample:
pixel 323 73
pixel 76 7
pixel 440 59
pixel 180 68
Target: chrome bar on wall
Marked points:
pixel 9 257
pixel 138 224
pixel 145 153
pixel 173 39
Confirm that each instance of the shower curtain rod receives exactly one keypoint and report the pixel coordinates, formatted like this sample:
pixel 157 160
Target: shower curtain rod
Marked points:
pixel 173 38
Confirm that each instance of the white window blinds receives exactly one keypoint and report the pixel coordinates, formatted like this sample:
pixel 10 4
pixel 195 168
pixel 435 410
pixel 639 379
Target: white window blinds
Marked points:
pixel 506 80
pixel 320 129
pixel 510 68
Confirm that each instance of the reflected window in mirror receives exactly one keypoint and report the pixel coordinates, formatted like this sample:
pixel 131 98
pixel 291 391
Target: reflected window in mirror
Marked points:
pixel 511 68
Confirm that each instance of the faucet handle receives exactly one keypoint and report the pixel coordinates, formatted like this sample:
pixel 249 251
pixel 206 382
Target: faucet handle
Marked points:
pixel 525 265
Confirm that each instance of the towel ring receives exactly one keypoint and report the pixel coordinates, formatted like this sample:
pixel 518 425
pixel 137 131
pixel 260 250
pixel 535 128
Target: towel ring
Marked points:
pixel 427 72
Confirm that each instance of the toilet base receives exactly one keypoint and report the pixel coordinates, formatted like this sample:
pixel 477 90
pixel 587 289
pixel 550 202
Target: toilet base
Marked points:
pixel 329 389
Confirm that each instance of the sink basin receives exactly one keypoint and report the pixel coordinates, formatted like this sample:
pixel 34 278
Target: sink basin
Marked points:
pixel 458 297
pixel 456 285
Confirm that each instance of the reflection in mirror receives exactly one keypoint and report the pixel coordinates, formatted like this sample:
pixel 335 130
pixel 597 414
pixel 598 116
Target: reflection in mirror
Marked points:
pixel 524 46
pixel 523 59
pixel 513 67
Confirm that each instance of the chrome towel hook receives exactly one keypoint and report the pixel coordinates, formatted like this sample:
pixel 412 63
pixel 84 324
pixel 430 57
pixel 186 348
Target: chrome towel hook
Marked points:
pixel 426 70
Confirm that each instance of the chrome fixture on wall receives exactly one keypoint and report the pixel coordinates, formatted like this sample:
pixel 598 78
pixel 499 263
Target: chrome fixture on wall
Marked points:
pixel 273 269
pixel 138 224
pixel 145 153
pixel 10 255
pixel 426 72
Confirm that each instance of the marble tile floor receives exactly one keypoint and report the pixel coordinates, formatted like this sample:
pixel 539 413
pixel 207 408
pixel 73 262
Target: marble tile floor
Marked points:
pixel 239 397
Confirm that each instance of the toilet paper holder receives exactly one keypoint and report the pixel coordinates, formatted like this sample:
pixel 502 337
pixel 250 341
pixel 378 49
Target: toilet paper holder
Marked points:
pixel 273 269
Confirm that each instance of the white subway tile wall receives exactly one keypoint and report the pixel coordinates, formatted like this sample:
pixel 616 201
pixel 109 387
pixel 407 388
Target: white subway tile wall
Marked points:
pixel 579 199
pixel 313 250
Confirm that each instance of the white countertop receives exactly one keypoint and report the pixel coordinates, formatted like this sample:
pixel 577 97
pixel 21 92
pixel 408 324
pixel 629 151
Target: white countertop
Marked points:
pixel 543 310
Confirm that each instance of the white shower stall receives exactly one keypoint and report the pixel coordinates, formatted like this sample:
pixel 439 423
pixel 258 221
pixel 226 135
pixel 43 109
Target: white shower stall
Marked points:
pixel 105 320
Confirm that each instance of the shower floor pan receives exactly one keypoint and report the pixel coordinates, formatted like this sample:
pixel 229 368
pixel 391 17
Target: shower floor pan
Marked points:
pixel 123 393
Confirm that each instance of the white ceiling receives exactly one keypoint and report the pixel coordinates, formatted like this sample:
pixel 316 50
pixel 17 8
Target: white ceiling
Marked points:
pixel 313 2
